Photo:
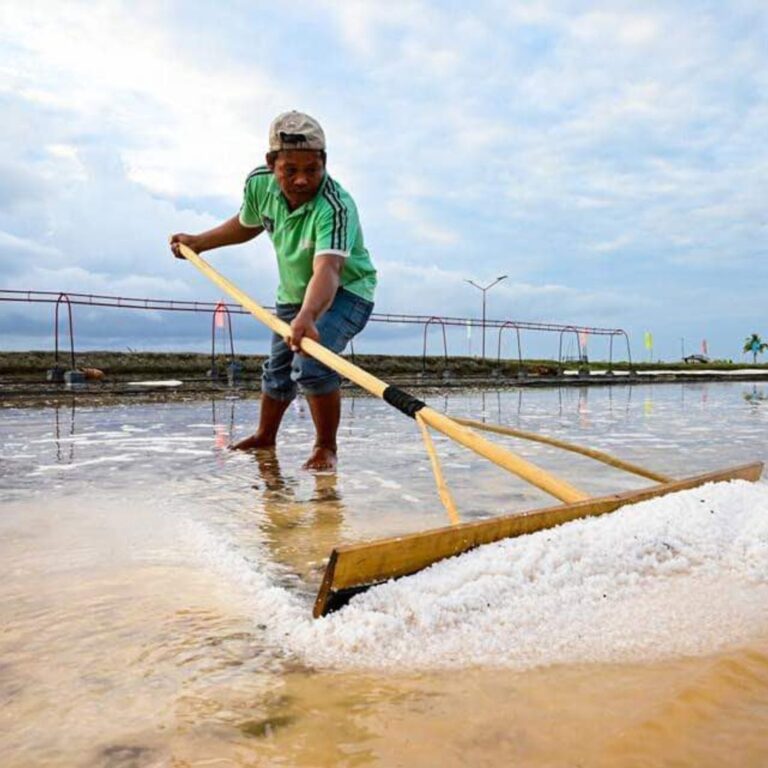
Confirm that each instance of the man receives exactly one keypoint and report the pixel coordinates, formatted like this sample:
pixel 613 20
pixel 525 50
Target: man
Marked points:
pixel 327 279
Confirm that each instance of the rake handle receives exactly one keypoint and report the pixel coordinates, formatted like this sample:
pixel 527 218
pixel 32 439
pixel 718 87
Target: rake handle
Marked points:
pixel 605 458
pixel 500 456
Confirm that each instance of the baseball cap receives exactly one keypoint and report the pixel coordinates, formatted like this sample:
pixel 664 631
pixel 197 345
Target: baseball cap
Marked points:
pixel 295 130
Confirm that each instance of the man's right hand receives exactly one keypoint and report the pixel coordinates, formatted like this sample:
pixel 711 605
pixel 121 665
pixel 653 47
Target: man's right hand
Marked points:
pixel 228 233
pixel 181 237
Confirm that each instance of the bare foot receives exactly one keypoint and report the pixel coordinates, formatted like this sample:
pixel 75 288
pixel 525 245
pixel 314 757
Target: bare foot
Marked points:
pixel 323 459
pixel 252 443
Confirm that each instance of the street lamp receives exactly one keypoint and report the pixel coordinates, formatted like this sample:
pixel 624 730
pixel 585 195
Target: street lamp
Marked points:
pixel 484 290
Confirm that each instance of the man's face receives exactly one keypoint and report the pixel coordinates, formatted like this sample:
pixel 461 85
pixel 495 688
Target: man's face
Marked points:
pixel 299 172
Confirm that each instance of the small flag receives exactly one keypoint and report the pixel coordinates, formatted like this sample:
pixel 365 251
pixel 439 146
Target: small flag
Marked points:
pixel 218 314
pixel 704 347
pixel 648 340
pixel 583 339
pixel 469 329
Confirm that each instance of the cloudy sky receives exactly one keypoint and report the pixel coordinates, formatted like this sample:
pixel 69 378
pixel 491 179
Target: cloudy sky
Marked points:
pixel 609 157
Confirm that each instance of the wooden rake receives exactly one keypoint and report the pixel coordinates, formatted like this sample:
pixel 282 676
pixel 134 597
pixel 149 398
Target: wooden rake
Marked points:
pixel 356 567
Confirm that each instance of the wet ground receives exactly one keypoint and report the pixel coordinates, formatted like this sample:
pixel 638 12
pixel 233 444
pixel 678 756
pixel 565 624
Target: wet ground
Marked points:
pixel 156 591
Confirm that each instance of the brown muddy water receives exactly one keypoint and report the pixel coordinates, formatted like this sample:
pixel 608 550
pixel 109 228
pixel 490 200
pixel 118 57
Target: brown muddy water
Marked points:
pixel 156 590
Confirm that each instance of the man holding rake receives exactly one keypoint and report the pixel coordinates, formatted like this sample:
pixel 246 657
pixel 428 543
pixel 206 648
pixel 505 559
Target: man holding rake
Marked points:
pixel 327 279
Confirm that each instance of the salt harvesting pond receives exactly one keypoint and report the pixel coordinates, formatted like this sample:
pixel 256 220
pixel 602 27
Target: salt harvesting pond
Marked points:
pixel 157 588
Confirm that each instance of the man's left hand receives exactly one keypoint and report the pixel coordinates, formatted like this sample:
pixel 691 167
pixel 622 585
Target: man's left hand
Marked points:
pixel 302 325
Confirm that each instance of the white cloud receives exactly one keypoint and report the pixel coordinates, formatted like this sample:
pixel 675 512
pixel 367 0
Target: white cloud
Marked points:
pixel 361 23
pixel 521 138
pixel 409 288
pixel 609 246
pixel 79 280
pixel 408 212
pixel 612 27
pixel 122 69
pixel 26 247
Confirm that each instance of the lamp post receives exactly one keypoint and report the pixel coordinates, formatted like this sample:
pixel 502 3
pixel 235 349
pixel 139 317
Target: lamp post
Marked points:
pixel 485 290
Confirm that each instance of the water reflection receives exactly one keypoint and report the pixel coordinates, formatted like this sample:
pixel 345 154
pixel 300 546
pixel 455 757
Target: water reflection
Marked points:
pixel 222 433
pixel 64 425
pixel 484 410
pixel 583 407
pixel 139 566
pixel 566 395
pixel 755 396
pixel 626 407
pixel 300 532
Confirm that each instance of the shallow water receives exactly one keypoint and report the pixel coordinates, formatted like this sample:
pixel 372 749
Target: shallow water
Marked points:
pixel 156 591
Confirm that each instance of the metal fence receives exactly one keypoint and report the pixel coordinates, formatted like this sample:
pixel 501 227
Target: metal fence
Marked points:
pixel 221 309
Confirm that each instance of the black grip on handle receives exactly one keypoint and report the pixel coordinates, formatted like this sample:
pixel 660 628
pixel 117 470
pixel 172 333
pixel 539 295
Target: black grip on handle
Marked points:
pixel 405 403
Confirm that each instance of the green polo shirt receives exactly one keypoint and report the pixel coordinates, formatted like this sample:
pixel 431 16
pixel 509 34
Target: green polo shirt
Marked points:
pixel 326 224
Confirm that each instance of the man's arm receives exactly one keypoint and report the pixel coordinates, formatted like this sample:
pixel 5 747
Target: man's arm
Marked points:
pixel 326 273
pixel 230 232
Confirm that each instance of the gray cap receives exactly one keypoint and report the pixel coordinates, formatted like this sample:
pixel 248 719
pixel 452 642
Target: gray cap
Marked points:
pixel 295 130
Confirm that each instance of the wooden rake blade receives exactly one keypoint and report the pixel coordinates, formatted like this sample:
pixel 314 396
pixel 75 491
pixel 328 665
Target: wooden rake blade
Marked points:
pixel 356 567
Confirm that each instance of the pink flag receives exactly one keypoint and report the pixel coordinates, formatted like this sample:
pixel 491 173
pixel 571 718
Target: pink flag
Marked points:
pixel 704 347
pixel 218 315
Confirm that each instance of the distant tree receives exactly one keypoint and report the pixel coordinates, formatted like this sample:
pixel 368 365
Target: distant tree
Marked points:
pixel 755 345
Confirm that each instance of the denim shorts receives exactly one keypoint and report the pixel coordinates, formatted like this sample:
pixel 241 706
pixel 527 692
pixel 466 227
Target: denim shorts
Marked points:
pixel 284 370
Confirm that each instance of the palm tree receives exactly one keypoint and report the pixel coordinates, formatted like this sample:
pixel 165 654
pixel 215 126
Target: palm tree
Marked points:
pixel 755 345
